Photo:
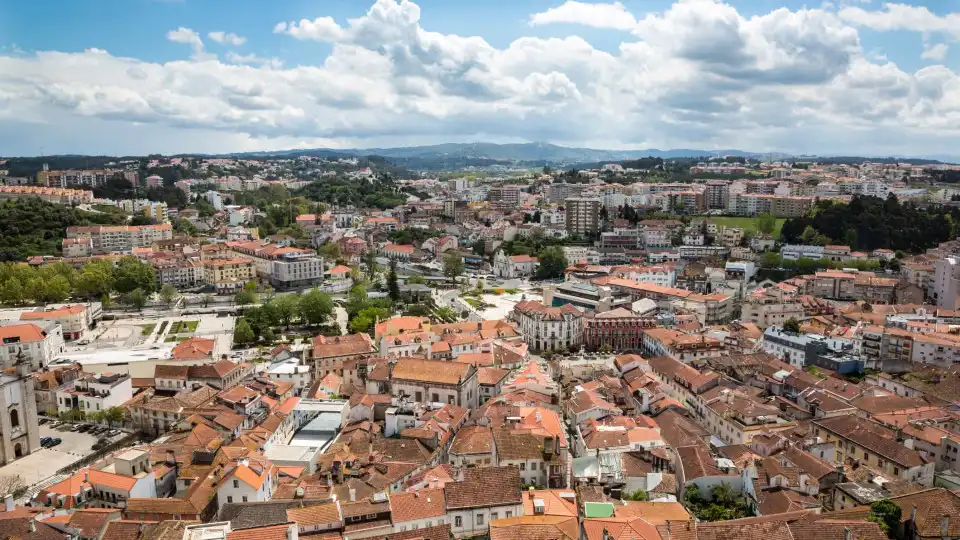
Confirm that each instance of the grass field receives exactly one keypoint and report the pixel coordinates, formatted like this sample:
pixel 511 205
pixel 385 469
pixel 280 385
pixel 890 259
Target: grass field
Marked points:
pixel 746 223
pixel 183 327
pixel 147 329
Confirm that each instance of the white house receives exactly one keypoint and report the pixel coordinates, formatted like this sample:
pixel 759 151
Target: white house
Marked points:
pixel 92 393
pixel 248 480
pixel 515 266
pixel 37 343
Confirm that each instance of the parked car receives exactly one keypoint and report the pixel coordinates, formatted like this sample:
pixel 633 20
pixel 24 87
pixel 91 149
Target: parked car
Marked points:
pixel 45 440
pixel 75 427
pixel 113 432
pixel 43 421
pixel 52 442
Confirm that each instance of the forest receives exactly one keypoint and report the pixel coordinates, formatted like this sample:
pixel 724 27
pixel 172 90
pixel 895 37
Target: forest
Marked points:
pixel 868 223
pixel 34 227
pixel 361 194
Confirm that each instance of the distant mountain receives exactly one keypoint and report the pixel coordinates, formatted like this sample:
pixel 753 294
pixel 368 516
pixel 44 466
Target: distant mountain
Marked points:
pixel 523 152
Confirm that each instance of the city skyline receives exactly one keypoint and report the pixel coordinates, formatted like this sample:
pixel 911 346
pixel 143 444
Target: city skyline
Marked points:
pixel 180 77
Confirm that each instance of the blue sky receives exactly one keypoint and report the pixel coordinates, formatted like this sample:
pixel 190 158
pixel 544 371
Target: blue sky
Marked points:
pixel 137 76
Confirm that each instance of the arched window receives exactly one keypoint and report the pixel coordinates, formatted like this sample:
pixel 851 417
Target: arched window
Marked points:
pixel 14 418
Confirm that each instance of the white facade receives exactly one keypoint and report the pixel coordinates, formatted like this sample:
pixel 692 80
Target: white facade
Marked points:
pixel 946 282
pixel 37 345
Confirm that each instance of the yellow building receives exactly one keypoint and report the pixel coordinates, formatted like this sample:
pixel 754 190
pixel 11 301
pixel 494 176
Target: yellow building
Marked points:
pixel 229 275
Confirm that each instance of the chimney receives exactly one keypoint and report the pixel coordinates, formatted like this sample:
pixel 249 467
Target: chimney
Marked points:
pixel 353 495
pixel 913 515
pixel 668 530
pixel 8 502
pixel 171 457
pixel 606 533
pixel 33 526
pixel 292 532
pixel 846 534
pixel 945 526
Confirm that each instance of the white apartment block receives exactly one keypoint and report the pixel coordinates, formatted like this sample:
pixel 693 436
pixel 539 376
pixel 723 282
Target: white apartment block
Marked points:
pixel 93 393
pixel 946 282
pixel 36 343
pixel 122 238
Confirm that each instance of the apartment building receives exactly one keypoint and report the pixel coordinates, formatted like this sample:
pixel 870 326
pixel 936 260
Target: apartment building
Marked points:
pixel 717 194
pixel 75 320
pixel 54 195
pixel 284 267
pixel 754 204
pixel 180 274
pixel 583 216
pixel 860 441
pixel 945 287
pixel 36 343
pixel 228 276
pixel 504 196
pixel 93 393
pixel 435 381
pixel 549 328
pixel 687 348
pixel 765 310
pixel 63 179
pixel 124 238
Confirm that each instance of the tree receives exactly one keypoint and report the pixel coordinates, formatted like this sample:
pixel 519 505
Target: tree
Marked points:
pixel 330 251
pixel 770 259
pixel 370 260
pixel 169 294
pixel 268 336
pixel 136 298
pixel 316 307
pixel 766 223
pixel 791 325
pixel 95 280
pixel 243 334
pixel 132 273
pixel 887 515
pixel 114 415
pixel 453 265
pixel 12 292
pixel 416 280
pixel 106 301
pixel 392 287
pixel 245 297
pixel 205 300
pixel 12 485
pixel 286 307
pixel 553 263
pixel 638 495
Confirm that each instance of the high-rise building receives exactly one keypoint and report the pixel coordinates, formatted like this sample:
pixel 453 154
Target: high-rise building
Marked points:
pixel 583 216
pixel 946 282
pixel 504 196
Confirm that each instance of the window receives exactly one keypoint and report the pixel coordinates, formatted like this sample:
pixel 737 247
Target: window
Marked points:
pixel 14 418
pixel 244 498
pixel 523 466
pixel 494 515
pixel 479 519
pixel 458 521
pixel 236 483
pixel 418 397
pixel 229 498
pixel 436 397
pixel 509 514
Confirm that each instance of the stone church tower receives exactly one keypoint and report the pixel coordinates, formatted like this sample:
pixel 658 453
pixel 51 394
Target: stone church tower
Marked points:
pixel 18 413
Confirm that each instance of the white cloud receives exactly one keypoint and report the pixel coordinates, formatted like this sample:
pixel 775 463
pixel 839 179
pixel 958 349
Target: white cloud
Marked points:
pixel 227 38
pixel 192 38
pixel 903 17
pixel 254 59
pixel 699 74
pixel 934 52
pixel 613 16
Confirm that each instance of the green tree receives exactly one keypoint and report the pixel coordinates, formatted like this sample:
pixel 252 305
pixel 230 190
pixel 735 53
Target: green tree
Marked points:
pixel 55 289
pixel 370 261
pixel 96 280
pixel 286 307
pixel 638 495
pixel 770 259
pixel 416 280
pixel 791 325
pixel 330 251
pixel 136 299
pixel 553 263
pixel 169 294
pixel 11 292
pixel 766 223
pixel 392 287
pixel 114 415
pixel 887 515
pixel 132 273
pixel 243 334
pixel 453 265
pixel 106 301
pixel 852 238
pixel 316 307
pixel 245 297
pixel 268 336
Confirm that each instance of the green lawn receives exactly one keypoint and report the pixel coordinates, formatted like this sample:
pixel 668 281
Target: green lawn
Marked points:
pixel 147 329
pixel 746 223
pixel 174 339
pixel 183 327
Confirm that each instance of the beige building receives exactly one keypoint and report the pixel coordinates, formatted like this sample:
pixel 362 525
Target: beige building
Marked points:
pixel 229 275
pixel 124 238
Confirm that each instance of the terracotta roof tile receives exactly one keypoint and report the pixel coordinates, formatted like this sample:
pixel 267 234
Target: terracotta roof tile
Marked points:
pixel 492 486
pixel 422 504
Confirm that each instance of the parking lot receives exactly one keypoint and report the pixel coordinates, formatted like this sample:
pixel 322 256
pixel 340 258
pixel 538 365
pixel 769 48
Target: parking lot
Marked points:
pixel 47 461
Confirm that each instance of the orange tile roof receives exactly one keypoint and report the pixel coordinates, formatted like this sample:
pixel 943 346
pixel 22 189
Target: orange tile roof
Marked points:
pixel 26 333
pixel 427 503
pixel 193 349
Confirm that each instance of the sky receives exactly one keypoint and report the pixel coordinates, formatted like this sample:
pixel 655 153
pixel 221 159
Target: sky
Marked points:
pixel 131 77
